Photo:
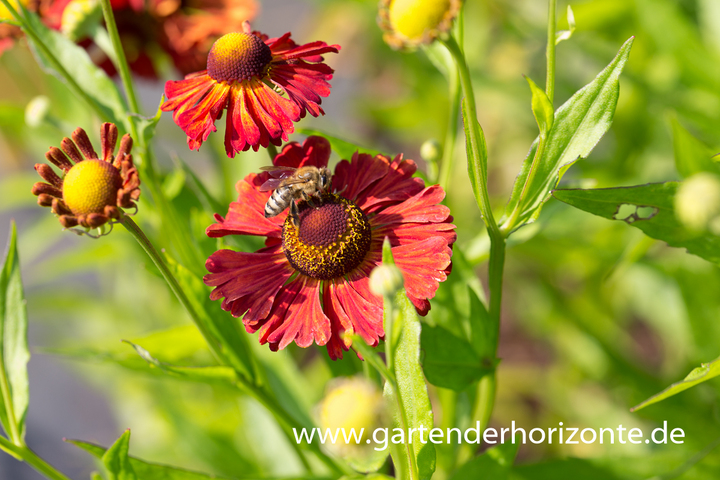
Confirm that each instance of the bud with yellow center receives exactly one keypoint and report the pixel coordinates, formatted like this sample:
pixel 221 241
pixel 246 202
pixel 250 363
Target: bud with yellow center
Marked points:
pixel 409 23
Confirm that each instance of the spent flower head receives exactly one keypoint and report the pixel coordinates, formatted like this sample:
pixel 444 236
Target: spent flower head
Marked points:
pixel 265 84
pixel 92 189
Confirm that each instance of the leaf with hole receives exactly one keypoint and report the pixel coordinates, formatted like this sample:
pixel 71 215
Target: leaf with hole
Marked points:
pixel 649 208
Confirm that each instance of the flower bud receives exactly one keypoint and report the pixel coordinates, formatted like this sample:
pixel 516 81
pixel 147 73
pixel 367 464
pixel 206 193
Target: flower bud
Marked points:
pixel 386 280
pixel 409 23
pixel 80 18
pixel 36 111
pixel 697 202
pixel 352 404
pixel 431 151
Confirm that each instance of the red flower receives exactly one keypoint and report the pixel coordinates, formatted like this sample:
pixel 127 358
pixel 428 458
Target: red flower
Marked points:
pixel 245 72
pixel 339 240
pixel 183 29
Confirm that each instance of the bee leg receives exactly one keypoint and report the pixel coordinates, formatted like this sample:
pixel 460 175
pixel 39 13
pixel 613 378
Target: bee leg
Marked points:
pixel 294 214
pixel 308 199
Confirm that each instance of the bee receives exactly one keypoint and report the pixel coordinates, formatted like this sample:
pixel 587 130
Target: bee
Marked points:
pixel 293 184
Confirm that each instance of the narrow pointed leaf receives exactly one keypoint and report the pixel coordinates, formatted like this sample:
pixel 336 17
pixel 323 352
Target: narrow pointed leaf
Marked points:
pixel 541 108
pixel 691 155
pixel 98 87
pixel 116 460
pixel 701 374
pixel 14 353
pixel 649 208
pixel 579 125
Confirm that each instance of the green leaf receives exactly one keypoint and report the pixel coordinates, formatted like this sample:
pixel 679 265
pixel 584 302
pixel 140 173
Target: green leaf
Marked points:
pixel 476 150
pixel 155 471
pixel 412 394
pixel 691 155
pixel 579 125
pixel 541 108
pixel 483 329
pixel 494 464
pixel 116 460
pixel 14 354
pixel 451 362
pixel 342 147
pixel 145 470
pixel 565 469
pixel 701 374
pixel 212 374
pixel 99 89
pixel 566 34
pixel 372 476
pixel 649 208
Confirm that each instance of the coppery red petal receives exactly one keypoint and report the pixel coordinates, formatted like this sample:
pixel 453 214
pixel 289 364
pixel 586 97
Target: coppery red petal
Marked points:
pixel 315 151
pixel 235 277
pixel 246 216
pixel 305 323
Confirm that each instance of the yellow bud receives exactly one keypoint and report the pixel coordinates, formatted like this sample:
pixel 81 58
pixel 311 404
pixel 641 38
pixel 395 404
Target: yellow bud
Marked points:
pixel 353 405
pixel 409 23
pixel 80 18
pixel 431 151
pixel 697 202
pixel 386 280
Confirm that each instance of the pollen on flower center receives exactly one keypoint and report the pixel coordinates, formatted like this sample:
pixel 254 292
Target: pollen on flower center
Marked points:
pixel 332 239
pixel 91 185
pixel 238 56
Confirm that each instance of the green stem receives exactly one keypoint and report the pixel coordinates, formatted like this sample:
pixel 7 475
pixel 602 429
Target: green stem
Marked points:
pixel 144 242
pixel 272 151
pixel 476 153
pixel 9 409
pixel 73 85
pixel 550 74
pixel 121 63
pixel 31 458
pixel 451 134
pixel 479 183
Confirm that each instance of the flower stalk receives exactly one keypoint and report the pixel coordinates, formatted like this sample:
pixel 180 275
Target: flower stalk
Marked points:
pixel 22 452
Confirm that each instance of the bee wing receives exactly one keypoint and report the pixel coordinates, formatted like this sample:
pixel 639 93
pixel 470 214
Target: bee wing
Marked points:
pixel 277 175
pixel 279 171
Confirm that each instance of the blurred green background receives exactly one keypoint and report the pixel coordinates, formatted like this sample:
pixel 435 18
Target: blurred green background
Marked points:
pixel 596 318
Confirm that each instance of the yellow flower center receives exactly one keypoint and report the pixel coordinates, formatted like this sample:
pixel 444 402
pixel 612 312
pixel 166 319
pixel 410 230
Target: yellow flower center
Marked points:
pixel 332 239
pixel 91 185
pixel 238 56
pixel 412 18
pixel 5 13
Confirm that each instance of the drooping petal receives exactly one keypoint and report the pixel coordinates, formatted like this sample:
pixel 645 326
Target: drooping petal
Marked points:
pixel 423 265
pixel 196 102
pixel 248 282
pixel 296 316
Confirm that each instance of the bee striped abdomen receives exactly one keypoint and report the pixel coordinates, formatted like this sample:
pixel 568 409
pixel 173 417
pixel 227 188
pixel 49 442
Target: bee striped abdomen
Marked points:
pixel 278 201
